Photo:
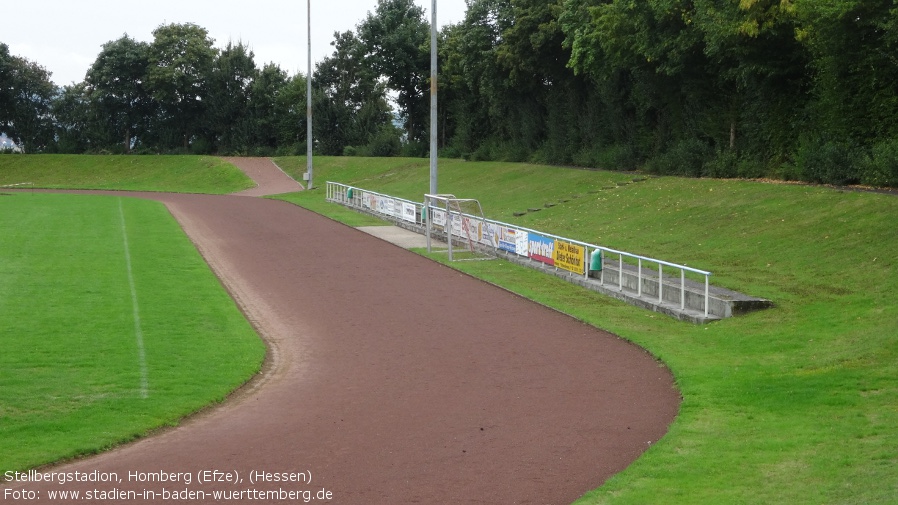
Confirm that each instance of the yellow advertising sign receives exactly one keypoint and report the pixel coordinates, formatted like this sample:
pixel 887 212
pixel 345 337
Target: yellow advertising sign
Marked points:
pixel 571 257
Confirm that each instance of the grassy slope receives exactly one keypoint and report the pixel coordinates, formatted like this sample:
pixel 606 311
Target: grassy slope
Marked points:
pixel 69 367
pixel 797 404
pixel 178 174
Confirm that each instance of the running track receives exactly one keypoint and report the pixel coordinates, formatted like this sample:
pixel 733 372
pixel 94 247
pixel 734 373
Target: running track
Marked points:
pixel 393 379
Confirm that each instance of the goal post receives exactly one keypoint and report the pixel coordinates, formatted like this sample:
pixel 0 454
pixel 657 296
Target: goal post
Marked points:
pixel 462 223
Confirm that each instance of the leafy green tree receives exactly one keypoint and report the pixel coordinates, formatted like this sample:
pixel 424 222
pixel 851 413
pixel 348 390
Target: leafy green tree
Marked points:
pixel 180 65
pixel 26 94
pixel 854 49
pixel 473 87
pixel 291 121
pixel 76 121
pixel 228 119
pixel 117 85
pixel 7 100
pixel 354 107
pixel 267 113
pixel 397 41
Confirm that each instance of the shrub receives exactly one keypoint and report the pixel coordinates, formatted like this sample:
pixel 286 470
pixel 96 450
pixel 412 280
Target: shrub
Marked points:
pixel 828 162
pixel 722 166
pixel 686 157
pixel 881 166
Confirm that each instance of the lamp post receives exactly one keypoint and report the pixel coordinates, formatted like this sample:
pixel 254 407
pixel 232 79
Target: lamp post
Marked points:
pixel 433 97
pixel 309 99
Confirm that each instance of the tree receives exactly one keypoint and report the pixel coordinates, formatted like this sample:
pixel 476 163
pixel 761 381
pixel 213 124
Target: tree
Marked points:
pixel 291 120
pixel 7 99
pixel 354 108
pixel 268 116
pixel 117 86
pixel 853 46
pixel 474 88
pixel 230 85
pixel 397 40
pixel 26 93
pixel 79 126
pixel 181 58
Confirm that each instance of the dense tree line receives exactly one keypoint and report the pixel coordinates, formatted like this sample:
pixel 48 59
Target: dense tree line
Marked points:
pixel 793 89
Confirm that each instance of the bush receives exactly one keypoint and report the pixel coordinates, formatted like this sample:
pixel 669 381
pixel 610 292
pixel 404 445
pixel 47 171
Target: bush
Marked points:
pixel 415 149
pixel 385 143
pixel 200 145
pixel 828 162
pixel 722 166
pixel 687 157
pixel 607 157
pixel 450 152
pixel 728 164
pixel 881 166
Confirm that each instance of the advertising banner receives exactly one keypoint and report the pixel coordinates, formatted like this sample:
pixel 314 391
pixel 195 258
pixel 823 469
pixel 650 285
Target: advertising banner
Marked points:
pixel 542 249
pixel 570 257
pixel 389 206
pixel 522 243
pixel 456 225
pixel 409 212
pixel 439 217
pixel 488 235
pixel 369 201
pixel 507 239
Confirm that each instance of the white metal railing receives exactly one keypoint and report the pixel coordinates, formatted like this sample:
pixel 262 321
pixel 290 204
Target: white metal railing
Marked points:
pixel 352 196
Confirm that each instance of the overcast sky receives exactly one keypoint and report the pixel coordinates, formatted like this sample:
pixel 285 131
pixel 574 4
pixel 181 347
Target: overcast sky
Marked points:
pixel 65 36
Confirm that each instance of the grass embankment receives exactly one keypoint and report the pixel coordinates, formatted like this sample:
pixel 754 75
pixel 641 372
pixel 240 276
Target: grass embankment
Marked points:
pixel 175 174
pixel 797 404
pixel 83 365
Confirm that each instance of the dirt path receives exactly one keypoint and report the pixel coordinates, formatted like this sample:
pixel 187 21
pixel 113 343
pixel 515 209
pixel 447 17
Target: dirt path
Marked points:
pixel 395 380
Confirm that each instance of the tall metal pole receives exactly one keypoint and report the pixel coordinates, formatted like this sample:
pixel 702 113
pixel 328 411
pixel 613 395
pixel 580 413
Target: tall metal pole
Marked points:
pixel 309 99
pixel 433 98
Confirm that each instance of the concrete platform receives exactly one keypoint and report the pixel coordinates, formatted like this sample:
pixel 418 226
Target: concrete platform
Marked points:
pixel 402 237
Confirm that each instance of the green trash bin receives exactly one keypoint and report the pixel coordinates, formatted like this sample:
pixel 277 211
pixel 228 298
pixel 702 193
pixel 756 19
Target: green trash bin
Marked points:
pixel 595 261
pixel 349 194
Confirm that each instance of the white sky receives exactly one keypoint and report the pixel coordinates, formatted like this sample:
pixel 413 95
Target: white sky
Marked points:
pixel 65 36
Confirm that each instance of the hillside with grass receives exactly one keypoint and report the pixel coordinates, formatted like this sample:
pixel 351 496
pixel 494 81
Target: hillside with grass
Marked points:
pixel 797 404
pixel 173 174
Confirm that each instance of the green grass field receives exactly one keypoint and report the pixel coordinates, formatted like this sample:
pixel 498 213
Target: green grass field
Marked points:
pixel 174 174
pixel 87 362
pixel 795 405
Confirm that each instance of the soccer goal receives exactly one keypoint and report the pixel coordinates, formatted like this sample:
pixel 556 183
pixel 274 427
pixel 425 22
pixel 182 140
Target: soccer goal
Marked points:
pixel 461 223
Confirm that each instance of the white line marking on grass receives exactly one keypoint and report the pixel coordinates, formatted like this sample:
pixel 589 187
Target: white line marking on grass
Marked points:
pixel 138 332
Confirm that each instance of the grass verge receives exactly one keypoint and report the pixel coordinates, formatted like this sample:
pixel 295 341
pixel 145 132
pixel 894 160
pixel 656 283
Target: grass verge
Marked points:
pixel 175 174
pixel 797 404
pixel 86 362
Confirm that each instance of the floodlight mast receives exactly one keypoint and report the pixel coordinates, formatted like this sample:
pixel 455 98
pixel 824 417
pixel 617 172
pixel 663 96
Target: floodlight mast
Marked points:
pixel 309 98
pixel 433 97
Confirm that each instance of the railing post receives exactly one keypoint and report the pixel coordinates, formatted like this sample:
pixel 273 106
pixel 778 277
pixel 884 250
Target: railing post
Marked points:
pixel 707 295
pixel 639 279
pixel 428 220
pixel 449 223
pixel 620 273
pixel 682 289
pixel 586 263
pixel 660 282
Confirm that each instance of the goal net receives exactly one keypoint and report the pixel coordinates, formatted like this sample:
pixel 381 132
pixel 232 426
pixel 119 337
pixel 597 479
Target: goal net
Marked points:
pixel 461 223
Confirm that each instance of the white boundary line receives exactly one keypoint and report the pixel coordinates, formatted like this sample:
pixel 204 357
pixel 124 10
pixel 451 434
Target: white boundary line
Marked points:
pixel 138 332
